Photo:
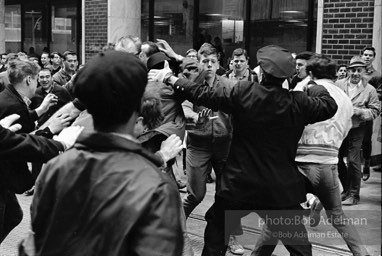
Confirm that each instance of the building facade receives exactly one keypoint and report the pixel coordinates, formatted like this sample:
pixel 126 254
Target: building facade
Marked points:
pixel 337 28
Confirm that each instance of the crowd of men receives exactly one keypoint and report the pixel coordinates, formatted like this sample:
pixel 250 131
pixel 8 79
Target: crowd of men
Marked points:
pixel 271 135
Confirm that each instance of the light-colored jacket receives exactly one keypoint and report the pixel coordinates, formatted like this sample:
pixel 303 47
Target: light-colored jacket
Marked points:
pixel 321 141
pixel 365 99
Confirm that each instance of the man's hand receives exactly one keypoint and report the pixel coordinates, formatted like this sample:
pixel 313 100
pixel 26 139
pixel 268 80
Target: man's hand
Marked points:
pixel 49 100
pixel 203 116
pixel 69 135
pixel 357 111
pixel 59 122
pixel 158 75
pixel 171 147
pixel 167 49
pixel 7 122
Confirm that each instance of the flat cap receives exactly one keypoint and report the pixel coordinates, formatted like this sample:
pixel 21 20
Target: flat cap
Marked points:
pixel 111 84
pixel 276 61
pixel 357 61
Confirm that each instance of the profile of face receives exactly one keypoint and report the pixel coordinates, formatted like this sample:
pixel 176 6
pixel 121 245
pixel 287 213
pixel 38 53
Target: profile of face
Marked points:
pixel 368 57
pixel 139 126
pixel 240 63
pixel 3 59
pixel 356 74
pixel 342 73
pixel 301 68
pixel 45 79
pixel 32 85
pixel 192 55
pixel 210 64
pixel 71 63
pixel 57 60
pixel 45 59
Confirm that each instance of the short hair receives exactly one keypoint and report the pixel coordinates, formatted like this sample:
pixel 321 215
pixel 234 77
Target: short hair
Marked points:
pixel 12 56
pixel 368 48
pixel 342 66
pixel 124 42
pixel 304 55
pixel 207 49
pixel 54 53
pixel 69 53
pixel 240 51
pixel 322 67
pixel 191 50
pixel 4 53
pixel 45 53
pixel 153 48
pixel 151 111
pixel 45 69
pixel 18 70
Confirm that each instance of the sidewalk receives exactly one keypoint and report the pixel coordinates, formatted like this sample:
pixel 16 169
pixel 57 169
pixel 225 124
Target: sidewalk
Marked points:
pixel 326 243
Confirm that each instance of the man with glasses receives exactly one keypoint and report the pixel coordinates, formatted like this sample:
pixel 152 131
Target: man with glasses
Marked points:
pixel 366 107
pixel 56 59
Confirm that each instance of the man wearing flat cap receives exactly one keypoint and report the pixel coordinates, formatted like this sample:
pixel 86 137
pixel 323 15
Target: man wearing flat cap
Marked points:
pixel 106 195
pixel 366 107
pixel 260 174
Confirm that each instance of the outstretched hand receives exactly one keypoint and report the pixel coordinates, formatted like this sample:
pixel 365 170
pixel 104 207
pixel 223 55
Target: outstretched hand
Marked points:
pixel 7 122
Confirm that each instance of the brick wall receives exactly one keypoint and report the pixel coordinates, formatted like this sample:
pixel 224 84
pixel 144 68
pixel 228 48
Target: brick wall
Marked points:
pixel 347 28
pixel 95 26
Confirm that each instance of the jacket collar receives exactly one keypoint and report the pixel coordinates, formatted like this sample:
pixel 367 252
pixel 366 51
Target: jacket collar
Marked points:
pixel 100 141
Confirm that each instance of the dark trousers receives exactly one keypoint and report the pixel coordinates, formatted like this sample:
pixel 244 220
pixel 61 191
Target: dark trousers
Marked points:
pixel 11 213
pixel 224 214
pixel 351 174
pixel 366 143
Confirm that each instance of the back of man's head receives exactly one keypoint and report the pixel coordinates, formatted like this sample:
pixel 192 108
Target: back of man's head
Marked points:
pixel 149 48
pixel 322 67
pixel 18 70
pixel 111 86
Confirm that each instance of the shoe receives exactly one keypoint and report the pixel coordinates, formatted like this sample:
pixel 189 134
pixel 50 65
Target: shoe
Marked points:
pixel 344 196
pixel 366 170
pixel 180 184
pixel 315 210
pixel 235 247
pixel 29 192
pixel 350 201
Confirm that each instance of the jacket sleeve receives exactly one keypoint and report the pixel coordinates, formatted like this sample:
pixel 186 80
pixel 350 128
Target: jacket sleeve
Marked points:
pixel 159 231
pixel 373 107
pixel 219 97
pixel 24 147
pixel 319 106
pixel 188 111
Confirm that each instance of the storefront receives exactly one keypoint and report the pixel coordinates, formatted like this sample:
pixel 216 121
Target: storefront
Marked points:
pixel 247 24
pixel 33 25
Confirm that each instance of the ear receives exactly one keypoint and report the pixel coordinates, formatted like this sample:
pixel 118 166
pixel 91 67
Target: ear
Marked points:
pixel 139 119
pixel 28 80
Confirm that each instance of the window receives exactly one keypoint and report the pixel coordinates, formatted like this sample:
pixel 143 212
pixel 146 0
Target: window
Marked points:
pixel 12 28
pixel 64 27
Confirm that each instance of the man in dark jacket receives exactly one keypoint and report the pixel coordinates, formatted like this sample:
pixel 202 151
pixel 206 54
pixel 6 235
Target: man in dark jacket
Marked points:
pixel 260 174
pixel 106 196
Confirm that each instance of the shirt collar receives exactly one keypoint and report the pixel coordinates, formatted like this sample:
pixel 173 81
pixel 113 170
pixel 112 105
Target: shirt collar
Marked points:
pixel 245 75
pixel 126 136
